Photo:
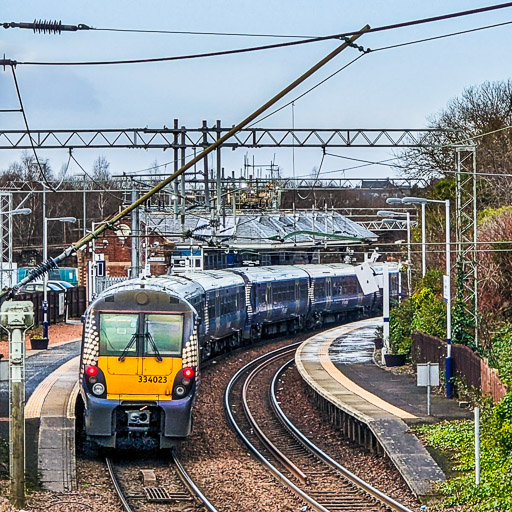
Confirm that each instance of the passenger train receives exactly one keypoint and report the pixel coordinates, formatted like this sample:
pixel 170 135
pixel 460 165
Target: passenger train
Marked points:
pixel 143 339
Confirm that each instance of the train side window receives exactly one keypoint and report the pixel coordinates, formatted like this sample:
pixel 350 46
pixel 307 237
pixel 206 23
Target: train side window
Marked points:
pixel 116 333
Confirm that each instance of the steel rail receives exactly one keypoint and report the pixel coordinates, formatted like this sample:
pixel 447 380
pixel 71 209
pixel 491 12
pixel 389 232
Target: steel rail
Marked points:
pixel 117 486
pixel 303 440
pixel 232 421
pixel 279 455
pixel 190 484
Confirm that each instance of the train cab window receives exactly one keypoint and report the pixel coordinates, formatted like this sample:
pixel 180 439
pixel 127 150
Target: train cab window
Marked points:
pixel 118 333
pixel 163 335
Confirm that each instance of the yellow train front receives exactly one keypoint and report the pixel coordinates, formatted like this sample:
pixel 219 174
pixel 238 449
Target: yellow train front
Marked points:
pixel 139 364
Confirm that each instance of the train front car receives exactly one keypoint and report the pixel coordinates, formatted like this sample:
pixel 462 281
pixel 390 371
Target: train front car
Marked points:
pixel 139 364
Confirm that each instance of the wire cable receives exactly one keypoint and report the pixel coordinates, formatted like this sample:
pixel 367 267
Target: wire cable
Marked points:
pixel 277 45
pixel 40 168
pixel 101 187
pixel 199 33
pixel 433 38
pixel 309 90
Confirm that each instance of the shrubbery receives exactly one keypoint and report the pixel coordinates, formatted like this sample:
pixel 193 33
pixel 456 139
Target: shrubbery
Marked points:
pixel 457 440
pixel 424 311
pixel 500 353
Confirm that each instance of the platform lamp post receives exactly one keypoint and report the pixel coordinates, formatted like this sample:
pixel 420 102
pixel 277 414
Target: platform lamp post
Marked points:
pixel 398 200
pixel 446 288
pixel 17 211
pixel 45 258
pixel 393 217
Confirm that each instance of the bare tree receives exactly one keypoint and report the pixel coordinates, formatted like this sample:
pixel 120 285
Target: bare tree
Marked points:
pixel 483 115
pixel 101 175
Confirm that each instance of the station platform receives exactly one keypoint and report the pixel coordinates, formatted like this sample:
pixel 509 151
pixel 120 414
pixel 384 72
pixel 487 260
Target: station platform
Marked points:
pixel 373 405
pixel 52 406
pixel 51 388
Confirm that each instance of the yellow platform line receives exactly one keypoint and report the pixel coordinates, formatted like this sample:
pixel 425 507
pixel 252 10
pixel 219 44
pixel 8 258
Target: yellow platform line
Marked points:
pixel 330 368
pixel 35 402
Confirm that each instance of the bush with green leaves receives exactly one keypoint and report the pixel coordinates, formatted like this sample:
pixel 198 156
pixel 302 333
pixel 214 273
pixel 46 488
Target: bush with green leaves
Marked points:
pixel 502 422
pixel 400 321
pixel 430 313
pixel 500 353
pixel 456 440
pixel 424 311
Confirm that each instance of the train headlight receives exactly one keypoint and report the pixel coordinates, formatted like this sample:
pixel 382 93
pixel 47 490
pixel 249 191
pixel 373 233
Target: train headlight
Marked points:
pixel 180 390
pixel 98 389
pixel 186 382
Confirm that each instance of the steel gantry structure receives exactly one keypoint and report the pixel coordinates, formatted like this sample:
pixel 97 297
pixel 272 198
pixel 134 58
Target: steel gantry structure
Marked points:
pixel 183 138
pixel 179 138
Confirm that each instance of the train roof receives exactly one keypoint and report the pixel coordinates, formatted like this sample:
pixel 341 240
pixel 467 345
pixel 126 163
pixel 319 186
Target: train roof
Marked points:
pixel 331 269
pixel 378 267
pixel 172 284
pixel 212 279
pixel 258 274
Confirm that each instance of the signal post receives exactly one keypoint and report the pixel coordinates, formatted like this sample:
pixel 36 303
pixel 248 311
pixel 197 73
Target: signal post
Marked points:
pixel 16 318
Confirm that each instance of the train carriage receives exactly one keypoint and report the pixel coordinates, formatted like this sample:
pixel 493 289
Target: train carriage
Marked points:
pixel 143 338
pixel 139 362
pixel 277 298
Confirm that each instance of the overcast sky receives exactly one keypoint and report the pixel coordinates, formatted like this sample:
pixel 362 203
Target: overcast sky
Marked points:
pixel 397 88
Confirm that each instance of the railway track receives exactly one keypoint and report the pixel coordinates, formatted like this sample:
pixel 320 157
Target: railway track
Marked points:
pixel 254 413
pixel 177 492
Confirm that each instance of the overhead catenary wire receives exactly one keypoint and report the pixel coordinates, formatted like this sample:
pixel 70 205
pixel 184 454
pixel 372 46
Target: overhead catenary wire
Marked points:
pixel 110 222
pixel 342 35
pixel 367 163
pixel 103 189
pixel 39 166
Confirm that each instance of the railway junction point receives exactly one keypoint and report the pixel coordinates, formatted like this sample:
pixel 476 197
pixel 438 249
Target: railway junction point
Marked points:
pixel 371 405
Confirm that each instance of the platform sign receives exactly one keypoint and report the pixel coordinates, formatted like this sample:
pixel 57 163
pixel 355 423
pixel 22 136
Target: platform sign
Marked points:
pixel 101 268
pixel 428 374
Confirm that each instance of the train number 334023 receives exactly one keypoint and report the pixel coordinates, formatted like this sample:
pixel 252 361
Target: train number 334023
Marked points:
pixel 154 380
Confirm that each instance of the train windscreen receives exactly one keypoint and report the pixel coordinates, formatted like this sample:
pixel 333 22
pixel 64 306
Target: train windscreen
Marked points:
pixel 118 334
pixel 164 334
pixel 130 335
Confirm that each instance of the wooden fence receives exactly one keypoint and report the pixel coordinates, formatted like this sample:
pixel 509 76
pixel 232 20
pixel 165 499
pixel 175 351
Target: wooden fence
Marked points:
pixel 467 365
pixel 75 302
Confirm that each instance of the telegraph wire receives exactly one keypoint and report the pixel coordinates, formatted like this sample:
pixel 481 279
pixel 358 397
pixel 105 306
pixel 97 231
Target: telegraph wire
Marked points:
pixel 276 45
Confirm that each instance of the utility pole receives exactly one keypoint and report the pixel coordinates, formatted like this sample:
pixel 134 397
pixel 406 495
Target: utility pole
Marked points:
pixel 135 257
pixel 219 176
pixel 176 167
pixel 16 317
pixel 205 169
pixel 183 191
pixel 84 205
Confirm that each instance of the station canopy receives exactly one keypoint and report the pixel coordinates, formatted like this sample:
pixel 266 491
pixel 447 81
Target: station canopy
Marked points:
pixel 249 230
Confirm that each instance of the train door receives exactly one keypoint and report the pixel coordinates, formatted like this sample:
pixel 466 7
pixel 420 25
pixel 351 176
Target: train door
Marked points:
pixel 328 293
pixel 218 311
pixel 268 300
pixel 297 295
